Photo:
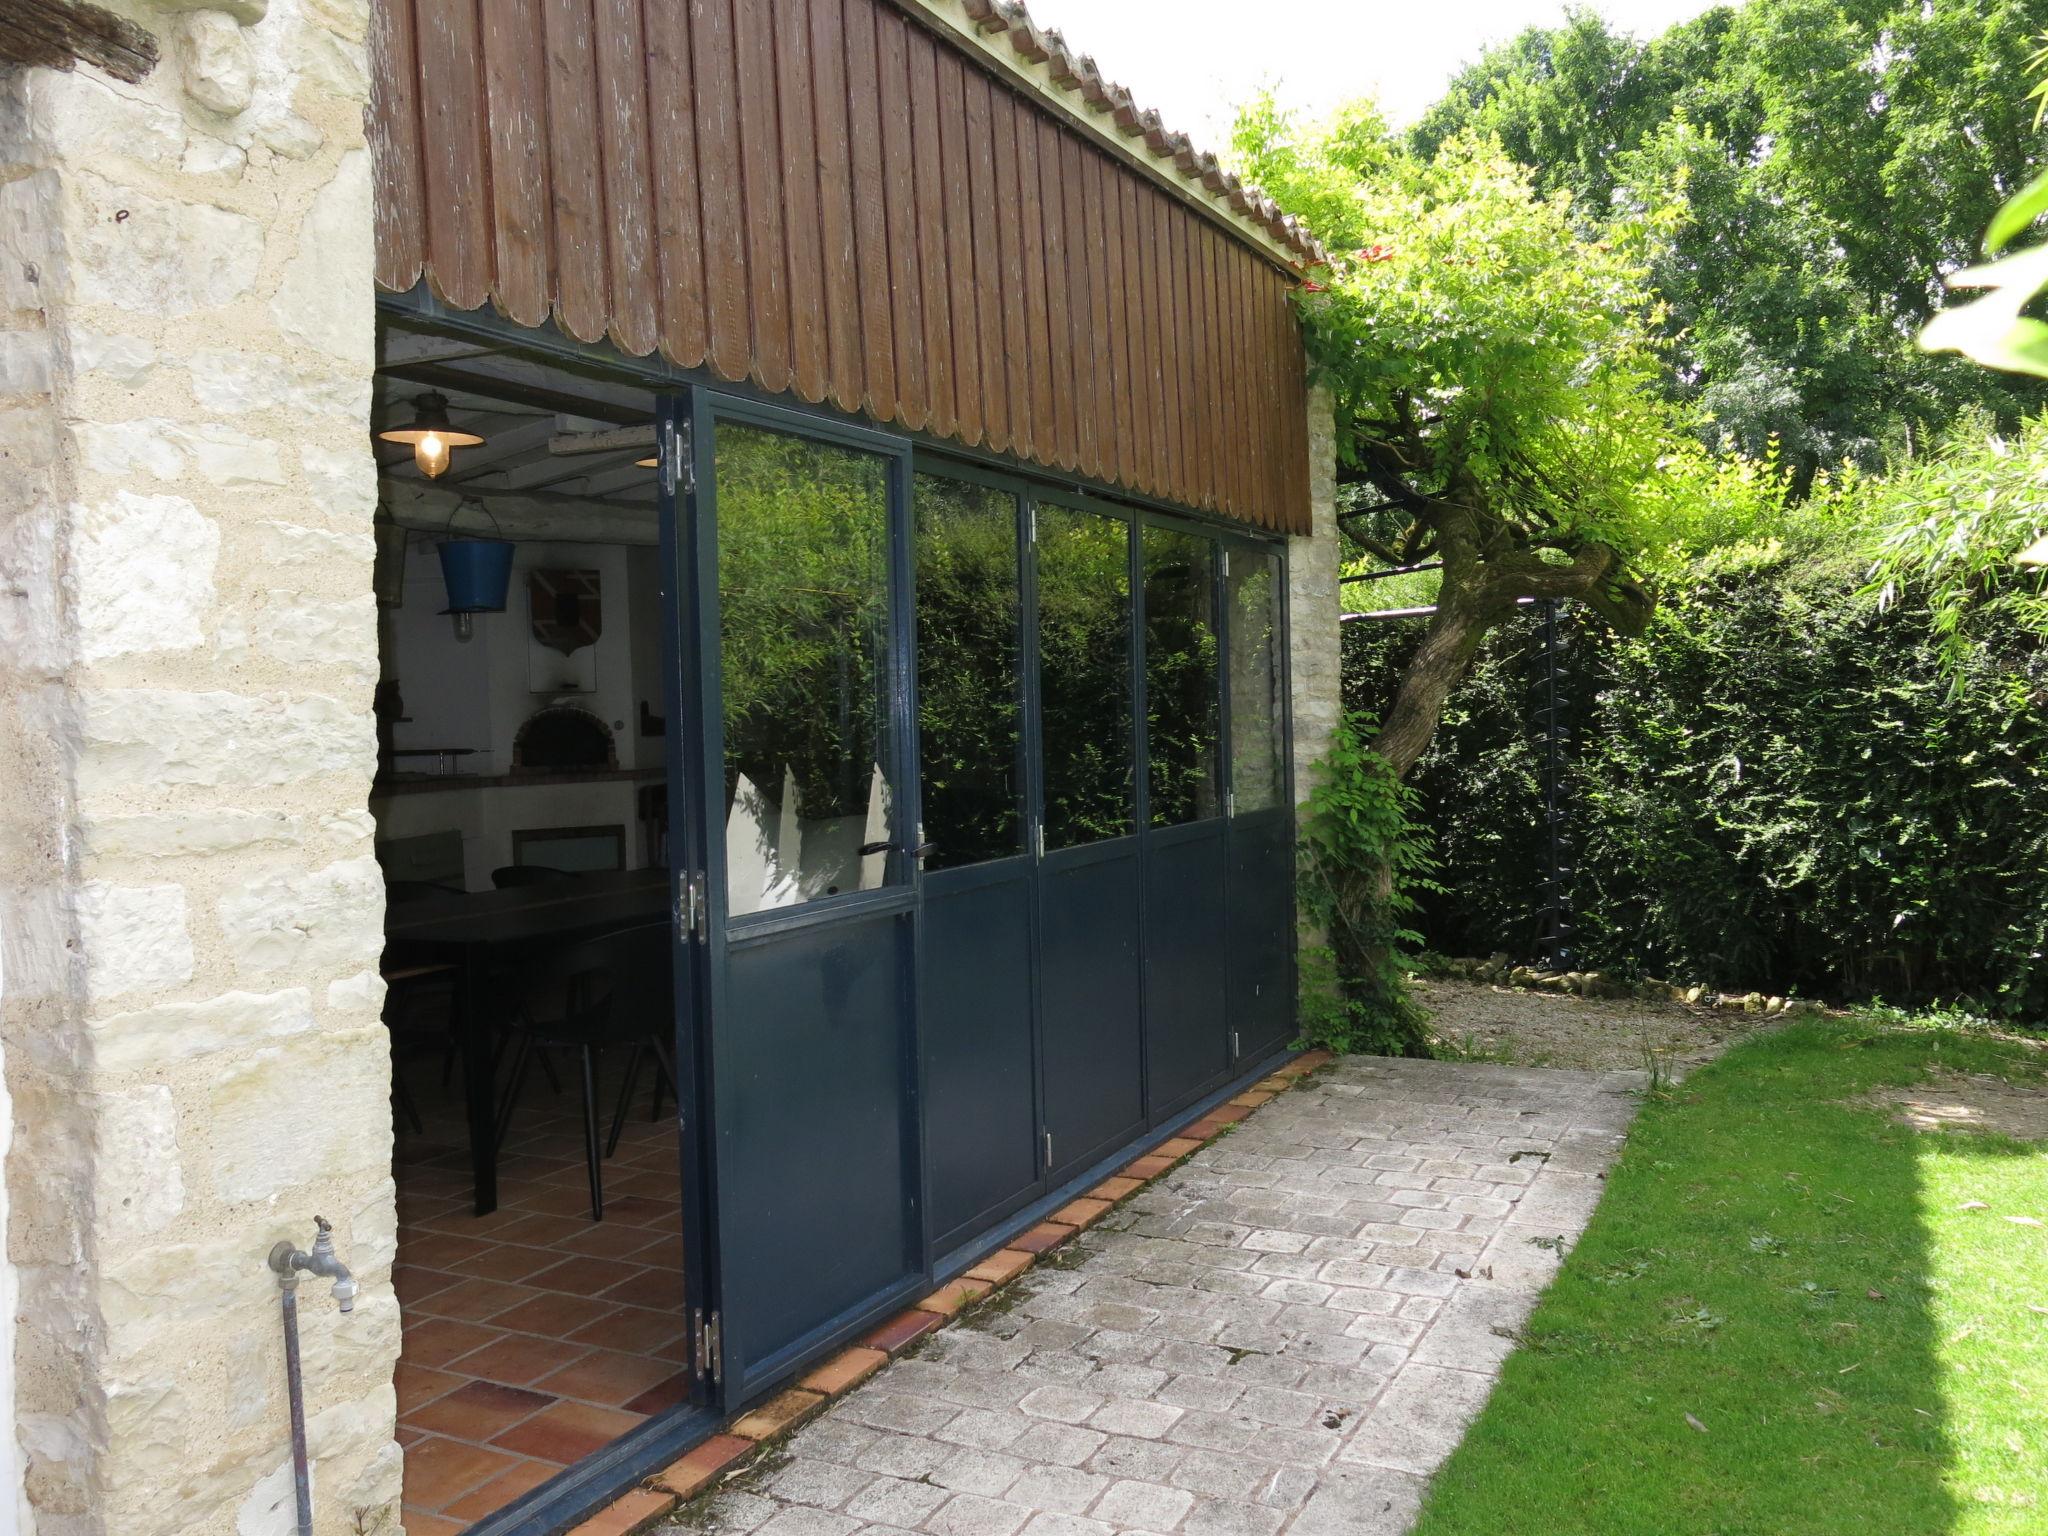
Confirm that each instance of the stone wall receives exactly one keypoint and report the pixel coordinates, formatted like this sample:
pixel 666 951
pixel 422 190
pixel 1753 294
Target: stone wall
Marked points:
pixel 189 907
pixel 1313 603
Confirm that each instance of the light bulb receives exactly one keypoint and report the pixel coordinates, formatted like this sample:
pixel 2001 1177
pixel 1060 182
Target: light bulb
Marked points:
pixel 431 454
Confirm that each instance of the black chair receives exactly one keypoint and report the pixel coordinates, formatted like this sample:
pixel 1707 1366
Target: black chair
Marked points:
pixel 614 990
pixel 398 892
pixel 506 876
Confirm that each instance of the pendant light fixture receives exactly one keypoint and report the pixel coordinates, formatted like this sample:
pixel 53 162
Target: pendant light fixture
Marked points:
pixel 431 434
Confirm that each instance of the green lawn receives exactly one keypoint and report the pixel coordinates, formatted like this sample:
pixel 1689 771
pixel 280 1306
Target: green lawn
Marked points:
pixel 1858 1353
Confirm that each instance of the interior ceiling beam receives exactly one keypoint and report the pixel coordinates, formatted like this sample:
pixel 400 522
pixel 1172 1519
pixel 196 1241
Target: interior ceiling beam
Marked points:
pixel 480 513
pixel 560 401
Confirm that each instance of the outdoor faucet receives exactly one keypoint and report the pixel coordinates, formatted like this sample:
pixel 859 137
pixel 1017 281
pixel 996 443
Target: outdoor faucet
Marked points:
pixel 288 1261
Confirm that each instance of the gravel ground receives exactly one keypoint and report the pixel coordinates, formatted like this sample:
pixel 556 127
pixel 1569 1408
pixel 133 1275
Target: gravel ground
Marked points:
pixel 1545 1029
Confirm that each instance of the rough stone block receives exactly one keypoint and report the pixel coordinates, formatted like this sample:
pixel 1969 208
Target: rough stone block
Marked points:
pixel 264 1137
pixel 144 567
pixel 135 736
pixel 139 1182
pixel 325 918
pixel 134 937
pixel 172 1032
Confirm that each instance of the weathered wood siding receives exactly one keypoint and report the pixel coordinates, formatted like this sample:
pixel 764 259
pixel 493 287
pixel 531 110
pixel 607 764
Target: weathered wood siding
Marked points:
pixel 828 199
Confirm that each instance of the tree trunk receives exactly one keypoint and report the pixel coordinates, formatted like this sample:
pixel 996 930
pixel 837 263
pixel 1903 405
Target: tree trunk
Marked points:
pixel 1440 662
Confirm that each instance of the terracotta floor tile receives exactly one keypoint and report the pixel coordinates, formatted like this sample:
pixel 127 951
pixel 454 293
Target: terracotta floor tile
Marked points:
pixel 1178 1148
pixel 414 1283
pixel 479 1410
pixel 844 1370
pixel 582 1275
pixel 663 1395
pixel 605 1377
pixel 418 1385
pixel 657 1288
pixel 435 1341
pixel 439 1471
pixel 702 1463
pixel 636 1330
pixel 952 1296
pixel 507 1262
pixel 520 1359
pixel 554 1314
pixel 663 1253
pixel 441 1250
pixel 779 1414
pixel 1001 1267
pixel 567 1432
pixel 630 1512
pixel 419 1524
pixel 1042 1238
pixel 1149 1167
pixel 605 1240
pixel 1079 1213
pixel 538 1231
pixel 640 1211
pixel 553 1199
pixel 520 1477
pixel 476 1301
pixel 900 1331
pixel 1116 1188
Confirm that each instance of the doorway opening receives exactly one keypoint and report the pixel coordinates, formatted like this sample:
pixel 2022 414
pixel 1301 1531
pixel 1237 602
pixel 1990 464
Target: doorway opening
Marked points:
pixel 541 1017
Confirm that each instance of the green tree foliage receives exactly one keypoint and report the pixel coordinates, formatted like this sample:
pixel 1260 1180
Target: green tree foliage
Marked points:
pixel 1494 377
pixel 1831 161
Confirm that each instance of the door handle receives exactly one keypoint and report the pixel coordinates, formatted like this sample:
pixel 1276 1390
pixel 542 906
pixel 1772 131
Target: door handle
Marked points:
pixel 868 850
pixel 924 850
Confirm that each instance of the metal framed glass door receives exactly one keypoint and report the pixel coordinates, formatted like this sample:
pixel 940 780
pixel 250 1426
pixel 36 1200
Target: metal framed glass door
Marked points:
pixel 804 903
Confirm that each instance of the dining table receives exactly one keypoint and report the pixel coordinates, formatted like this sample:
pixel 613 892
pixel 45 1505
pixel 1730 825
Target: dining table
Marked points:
pixel 486 935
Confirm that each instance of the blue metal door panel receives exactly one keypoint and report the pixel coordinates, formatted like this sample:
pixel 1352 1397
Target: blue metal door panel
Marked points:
pixel 814 1107
pixel 1262 932
pixel 1091 1025
pixel 1187 1034
pixel 981 1119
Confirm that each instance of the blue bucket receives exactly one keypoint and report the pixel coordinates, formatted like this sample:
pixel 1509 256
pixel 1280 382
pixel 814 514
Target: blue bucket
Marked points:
pixel 478 574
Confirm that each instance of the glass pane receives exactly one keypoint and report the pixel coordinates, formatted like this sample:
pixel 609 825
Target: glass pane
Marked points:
pixel 1257 773
pixel 1084 675
pixel 803 592
pixel 968 649
pixel 1183 706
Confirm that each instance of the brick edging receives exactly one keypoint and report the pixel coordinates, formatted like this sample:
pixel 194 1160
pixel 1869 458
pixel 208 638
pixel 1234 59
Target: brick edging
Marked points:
pixel 727 1451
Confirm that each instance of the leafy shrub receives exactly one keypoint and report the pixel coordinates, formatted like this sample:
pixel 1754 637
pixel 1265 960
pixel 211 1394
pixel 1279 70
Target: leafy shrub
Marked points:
pixel 1779 787
pixel 1363 863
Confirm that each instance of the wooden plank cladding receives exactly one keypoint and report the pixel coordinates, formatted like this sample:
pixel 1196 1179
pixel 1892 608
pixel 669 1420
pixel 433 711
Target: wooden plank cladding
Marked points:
pixel 832 200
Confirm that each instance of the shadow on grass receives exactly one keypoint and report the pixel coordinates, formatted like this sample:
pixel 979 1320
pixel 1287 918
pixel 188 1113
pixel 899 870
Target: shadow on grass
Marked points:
pixel 1749 1339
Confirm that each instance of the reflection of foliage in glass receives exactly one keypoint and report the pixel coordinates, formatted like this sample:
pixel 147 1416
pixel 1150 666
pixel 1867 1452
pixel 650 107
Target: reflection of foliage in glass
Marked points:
pixel 803 586
pixel 968 655
pixel 1182 707
pixel 1084 630
pixel 1252 585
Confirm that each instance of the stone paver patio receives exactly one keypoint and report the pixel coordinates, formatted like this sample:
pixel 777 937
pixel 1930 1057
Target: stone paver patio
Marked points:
pixel 1287 1334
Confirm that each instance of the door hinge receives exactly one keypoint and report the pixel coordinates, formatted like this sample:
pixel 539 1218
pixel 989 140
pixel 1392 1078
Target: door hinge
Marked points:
pixel 1226 562
pixel 691 918
pixel 678 460
pixel 1031 524
pixel 1048 1149
pixel 1038 838
pixel 1230 802
pixel 714 1347
pixel 1236 1050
